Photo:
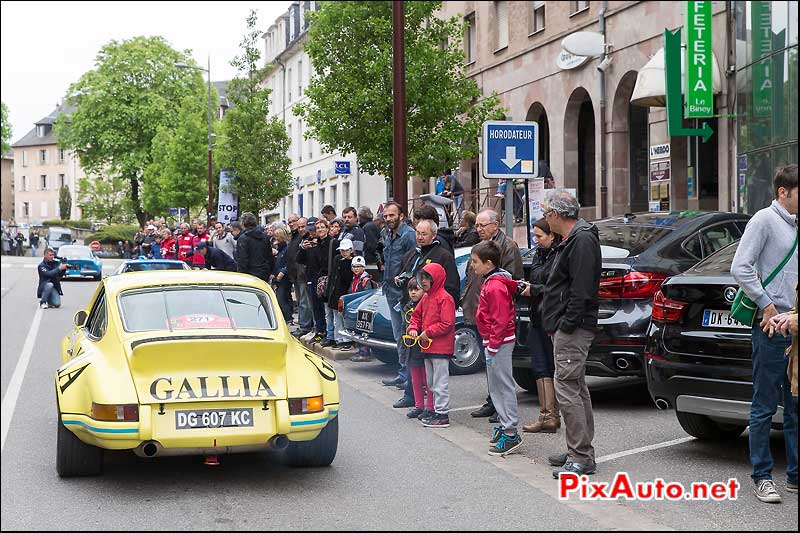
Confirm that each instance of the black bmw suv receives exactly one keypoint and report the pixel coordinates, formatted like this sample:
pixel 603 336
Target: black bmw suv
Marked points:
pixel 640 251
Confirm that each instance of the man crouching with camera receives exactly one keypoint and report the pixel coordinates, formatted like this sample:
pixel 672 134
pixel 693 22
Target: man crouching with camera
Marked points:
pixel 50 274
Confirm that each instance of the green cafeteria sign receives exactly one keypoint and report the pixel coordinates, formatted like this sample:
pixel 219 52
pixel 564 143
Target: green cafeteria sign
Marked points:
pixel 699 75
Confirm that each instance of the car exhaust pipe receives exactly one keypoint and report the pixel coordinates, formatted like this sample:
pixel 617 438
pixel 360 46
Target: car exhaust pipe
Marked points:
pixel 662 404
pixel 622 363
pixel 148 449
pixel 279 442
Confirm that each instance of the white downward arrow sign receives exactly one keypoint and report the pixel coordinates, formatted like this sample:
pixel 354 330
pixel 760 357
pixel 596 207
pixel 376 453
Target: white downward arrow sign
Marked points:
pixel 511 157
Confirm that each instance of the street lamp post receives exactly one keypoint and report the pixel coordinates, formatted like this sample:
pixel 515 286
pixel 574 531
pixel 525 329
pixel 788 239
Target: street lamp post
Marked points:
pixel 210 136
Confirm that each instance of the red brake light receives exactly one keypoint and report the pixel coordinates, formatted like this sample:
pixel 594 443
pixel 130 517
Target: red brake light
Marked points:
pixel 665 310
pixel 631 285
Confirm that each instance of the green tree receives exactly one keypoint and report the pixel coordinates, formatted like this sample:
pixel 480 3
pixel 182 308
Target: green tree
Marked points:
pixel 349 105
pixel 6 128
pixel 178 175
pixel 105 199
pixel 119 105
pixel 64 202
pixel 254 145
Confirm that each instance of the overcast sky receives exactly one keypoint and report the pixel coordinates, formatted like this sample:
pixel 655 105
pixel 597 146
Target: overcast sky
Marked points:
pixel 46 46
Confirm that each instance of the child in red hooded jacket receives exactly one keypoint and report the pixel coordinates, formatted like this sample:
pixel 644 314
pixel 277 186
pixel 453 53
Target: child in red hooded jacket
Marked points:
pixel 495 322
pixel 433 326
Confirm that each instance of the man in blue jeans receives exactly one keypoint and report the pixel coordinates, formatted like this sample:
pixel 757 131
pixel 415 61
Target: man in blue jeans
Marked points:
pixel 769 239
pixel 50 274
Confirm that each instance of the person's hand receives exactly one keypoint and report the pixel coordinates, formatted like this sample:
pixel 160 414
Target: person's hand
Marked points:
pixel 769 312
pixel 62 266
pixel 527 291
pixel 412 333
pixel 423 337
pixel 280 276
pixel 782 323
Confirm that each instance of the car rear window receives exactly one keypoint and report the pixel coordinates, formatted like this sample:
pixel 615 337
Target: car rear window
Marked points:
pixel 635 238
pixel 195 308
pixel 718 263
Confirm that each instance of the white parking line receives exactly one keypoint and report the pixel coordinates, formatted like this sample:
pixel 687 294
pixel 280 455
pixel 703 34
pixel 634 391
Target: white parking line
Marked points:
pixel 14 386
pixel 613 456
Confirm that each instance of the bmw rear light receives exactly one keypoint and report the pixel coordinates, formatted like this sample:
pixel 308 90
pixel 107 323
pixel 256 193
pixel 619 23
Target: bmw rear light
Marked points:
pixel 631 285
pixel 666 310
pixel 115 413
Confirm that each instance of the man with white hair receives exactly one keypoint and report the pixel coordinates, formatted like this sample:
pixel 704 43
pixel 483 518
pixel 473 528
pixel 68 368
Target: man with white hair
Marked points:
pixel 569 314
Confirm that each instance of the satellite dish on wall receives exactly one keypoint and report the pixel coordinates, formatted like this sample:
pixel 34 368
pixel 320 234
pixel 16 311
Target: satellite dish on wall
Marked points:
pixel 584 43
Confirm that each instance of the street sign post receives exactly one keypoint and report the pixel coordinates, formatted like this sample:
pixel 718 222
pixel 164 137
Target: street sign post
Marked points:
pixel 509 151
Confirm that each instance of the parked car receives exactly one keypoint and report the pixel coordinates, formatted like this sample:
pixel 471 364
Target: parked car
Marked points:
pixel 699 359
pixel 189 363
pixel 58 236
pixel 639 251
pixel 140 265
pixel 81 260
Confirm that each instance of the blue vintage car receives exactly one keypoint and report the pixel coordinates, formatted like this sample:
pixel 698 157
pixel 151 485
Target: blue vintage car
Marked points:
pixel 367 322
pixel 81 260
pixel 143 264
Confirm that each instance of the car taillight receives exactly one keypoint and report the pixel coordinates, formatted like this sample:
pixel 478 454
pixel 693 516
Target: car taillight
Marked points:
pixel 301 406
pixel 666 310
pixel 115 413
pixel 631 285
pixel 340 305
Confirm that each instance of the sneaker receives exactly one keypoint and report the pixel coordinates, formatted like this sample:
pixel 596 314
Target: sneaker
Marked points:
pixel 575 468
pixel 327 342
pixel 402 385
pixel 557 460
pixel 486 409
pixel 494 419
pixel 496 432
pixel 298 333
pixel 506 444
pixel 392 382
pixel 765 491
pixel 791 486
pixel 425 414
pixel 499 195
pixel 309 336
pixel 344 346
pixel 437 421
pixel 43 306
pixel 415 412
pixel 318 338
pixel 403 403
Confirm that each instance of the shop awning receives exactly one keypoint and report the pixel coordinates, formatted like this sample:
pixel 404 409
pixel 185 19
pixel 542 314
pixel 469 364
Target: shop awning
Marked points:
pixel 649 89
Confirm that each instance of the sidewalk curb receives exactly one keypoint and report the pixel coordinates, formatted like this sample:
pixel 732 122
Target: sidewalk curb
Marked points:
pixel 328 353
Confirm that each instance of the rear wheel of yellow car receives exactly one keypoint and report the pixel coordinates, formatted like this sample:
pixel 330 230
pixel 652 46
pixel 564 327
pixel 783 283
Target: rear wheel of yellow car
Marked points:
pixel 317 452
pixel 74 457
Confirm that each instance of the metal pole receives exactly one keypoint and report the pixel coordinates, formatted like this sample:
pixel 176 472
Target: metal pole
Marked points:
pixel 210 148
pixel 510 208
pixel 603 157
pixel 400 162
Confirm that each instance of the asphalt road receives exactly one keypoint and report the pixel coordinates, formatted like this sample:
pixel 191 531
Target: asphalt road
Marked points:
pixel 389 473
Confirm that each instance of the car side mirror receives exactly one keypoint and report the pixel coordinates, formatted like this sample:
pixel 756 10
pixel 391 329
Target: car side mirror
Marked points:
pixel 80 318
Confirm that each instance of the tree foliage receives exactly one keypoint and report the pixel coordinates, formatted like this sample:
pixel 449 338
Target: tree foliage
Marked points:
pixel 120 104
pixel 105 199
pixel 254 145
pixel 6 128
pixel 64 202
pixel 178 174
pixel 349 105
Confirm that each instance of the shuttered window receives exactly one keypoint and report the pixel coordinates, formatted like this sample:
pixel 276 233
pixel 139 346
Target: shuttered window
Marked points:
pixel 501 16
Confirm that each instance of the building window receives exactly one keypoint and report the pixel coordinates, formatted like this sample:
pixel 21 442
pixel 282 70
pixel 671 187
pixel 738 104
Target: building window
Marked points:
pixel 43 212
pixel 321 197
pixel 62 155
pixel 310 149
pixel 62 180
pixel 501 17
pixel 537 16
pixel 579 6
pixel 43 182
pixel 310 203
pixel 289 84
pixel 24 158
pixel 43 157
pixel 289 134
pixel 41 130
pixel 470 39
pixel 346 194
pixel 333 196
pixel 26 209
pixel 24 184
pixel 299 79
pixel 300 141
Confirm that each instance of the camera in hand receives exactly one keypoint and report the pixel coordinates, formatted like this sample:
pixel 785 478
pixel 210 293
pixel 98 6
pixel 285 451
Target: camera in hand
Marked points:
pixel 64 261
pixel 404 278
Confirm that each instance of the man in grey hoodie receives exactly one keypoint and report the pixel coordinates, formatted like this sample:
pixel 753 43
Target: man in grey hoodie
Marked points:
pixel 768 239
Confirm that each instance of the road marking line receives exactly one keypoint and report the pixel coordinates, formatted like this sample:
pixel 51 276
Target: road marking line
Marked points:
pixel 613 456
pixel 14 386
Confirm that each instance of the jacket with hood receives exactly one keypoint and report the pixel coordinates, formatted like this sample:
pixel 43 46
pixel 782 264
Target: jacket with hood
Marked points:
pixel 433 253
pixel 540 270
pixel 495 313
pixel 570 294
pixel 254 253
pixel 362 283
pixel 510 261
pixel 435 314
pixel 339 279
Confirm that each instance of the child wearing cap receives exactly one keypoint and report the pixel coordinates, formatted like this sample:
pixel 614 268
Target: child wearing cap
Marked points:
pixel 362 281
pixel 339 279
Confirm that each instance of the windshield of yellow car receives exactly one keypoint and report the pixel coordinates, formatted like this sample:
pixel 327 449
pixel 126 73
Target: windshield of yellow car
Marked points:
pixel 179 308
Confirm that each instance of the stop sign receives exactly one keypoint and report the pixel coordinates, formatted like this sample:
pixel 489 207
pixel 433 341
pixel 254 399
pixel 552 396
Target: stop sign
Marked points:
pixel 95 245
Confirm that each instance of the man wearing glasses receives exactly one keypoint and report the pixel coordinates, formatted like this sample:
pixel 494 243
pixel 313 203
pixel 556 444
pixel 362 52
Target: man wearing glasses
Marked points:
pixel 487 224
pixel 569 315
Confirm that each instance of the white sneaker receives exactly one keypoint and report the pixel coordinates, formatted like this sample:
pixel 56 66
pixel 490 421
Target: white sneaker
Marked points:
pixel 765 491
pixel 43 306
pixel 308 336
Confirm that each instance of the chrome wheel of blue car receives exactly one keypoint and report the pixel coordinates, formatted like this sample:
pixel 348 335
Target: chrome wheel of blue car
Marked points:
pixel 467 357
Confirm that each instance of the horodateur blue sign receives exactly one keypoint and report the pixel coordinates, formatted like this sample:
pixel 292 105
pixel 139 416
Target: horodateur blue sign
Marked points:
pixel 509 149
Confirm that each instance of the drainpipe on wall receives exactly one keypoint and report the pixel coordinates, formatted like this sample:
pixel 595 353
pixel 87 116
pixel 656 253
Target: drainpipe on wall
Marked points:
pixel 283 117
pixel 603 181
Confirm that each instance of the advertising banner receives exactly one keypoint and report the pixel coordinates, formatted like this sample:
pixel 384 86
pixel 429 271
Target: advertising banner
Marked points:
pixel 699 63
pixel 228 206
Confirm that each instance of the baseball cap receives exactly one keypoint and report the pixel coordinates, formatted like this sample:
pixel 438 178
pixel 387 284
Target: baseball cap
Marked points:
pixel 358 261
pixel 346 244
pixel 312 221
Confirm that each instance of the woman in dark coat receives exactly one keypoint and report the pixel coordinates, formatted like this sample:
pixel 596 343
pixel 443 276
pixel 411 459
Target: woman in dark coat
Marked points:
pixel 313 254
pixel 283 285
pixel 540 344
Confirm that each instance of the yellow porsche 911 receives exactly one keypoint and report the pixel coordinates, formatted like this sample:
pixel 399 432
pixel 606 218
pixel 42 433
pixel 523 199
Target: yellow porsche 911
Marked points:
pixel 184 363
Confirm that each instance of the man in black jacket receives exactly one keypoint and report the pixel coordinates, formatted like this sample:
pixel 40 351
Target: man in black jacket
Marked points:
pixel 569 314
pixel 50 273
pixel 253 250
pixel 297 275
pixel 351 230
pixel 371 235
pixel 215 258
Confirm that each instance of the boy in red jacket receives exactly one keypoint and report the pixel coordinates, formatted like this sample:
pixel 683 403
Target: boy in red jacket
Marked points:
pixel 433 326
pixel 495 321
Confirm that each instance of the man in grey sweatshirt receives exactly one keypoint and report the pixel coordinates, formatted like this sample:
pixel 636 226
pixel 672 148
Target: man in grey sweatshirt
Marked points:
pixel 769 237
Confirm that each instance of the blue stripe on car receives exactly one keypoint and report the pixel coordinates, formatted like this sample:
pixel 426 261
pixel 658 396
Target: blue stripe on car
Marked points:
pixel 99 430
pixel 309 422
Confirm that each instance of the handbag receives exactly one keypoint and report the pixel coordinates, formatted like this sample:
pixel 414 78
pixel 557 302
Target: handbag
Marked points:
pixel 743 309
pixel 322 286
